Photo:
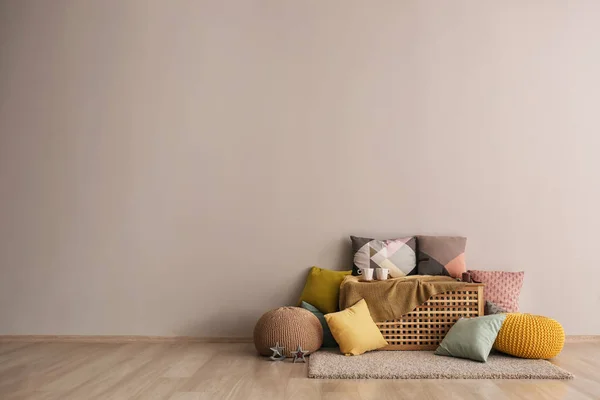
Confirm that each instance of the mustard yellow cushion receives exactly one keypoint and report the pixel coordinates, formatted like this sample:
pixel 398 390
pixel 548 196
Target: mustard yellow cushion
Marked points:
pixel 322 289
pixel 354 330
pixel 530 336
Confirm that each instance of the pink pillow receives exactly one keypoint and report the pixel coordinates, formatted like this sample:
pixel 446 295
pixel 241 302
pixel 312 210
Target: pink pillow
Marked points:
pixel 501 287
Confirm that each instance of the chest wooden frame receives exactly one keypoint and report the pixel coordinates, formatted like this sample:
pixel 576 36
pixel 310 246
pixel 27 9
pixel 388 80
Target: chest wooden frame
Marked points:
pixel 425 327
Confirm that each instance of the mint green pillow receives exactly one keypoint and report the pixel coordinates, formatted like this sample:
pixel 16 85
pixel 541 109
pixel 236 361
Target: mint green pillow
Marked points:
pixel 471 338
pixel 328 340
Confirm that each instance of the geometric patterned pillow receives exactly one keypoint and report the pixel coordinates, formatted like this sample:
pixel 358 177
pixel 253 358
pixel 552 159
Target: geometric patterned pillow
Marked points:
pixel 397 255
pixel 501 288
pixel 441 255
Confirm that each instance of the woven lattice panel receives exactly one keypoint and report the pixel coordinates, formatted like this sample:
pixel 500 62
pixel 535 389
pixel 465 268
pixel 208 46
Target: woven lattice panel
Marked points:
pixel 425 327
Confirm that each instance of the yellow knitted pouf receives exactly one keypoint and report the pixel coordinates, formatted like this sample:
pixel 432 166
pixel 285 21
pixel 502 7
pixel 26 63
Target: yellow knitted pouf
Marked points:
pixel 530 336
pixel 290 327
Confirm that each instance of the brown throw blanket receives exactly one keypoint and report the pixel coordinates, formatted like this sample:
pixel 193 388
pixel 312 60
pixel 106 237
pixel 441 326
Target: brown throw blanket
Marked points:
pixel 392 298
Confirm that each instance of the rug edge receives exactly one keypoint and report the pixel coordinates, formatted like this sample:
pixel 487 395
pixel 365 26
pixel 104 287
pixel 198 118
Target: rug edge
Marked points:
pixel 560 375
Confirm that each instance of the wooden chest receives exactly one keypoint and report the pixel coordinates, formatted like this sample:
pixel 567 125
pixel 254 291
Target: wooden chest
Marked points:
pixel 425 327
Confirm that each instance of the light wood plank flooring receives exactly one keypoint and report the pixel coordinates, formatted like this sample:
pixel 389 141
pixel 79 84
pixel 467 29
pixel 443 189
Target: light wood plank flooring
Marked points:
pixel 193 371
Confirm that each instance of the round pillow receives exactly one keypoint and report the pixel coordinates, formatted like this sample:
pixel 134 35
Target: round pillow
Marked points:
pixel 530 336
pixel 290 326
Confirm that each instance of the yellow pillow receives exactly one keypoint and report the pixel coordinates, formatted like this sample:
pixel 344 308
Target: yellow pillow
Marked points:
pixel 354 330
pixel 322 289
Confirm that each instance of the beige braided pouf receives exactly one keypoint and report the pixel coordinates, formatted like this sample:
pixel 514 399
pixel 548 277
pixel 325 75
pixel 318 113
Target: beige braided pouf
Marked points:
pixel 290 326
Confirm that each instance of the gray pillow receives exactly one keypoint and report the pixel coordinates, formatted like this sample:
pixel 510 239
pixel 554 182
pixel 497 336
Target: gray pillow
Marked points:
pixel 471 338
pixel 492 308
pixel 441 255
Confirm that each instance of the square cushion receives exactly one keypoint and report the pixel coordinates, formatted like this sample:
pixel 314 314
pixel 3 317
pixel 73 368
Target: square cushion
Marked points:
pixel 491 308
pixel 322 289
pixel 328 340
pixel 354 330
pixel 501 287
pixel 397 255
pixel 471 338
pixel 441 255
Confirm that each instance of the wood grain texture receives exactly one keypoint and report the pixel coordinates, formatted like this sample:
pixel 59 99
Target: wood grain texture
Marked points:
pixel 22 340
pixel 481 299
pixel 120 339
pixel 582 338
pixel 193 370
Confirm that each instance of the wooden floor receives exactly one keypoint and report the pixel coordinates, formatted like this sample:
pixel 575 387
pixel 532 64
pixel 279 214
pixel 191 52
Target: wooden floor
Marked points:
pixel 192 371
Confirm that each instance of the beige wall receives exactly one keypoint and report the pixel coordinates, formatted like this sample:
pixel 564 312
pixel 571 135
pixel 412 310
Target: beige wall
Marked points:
pixel 174 168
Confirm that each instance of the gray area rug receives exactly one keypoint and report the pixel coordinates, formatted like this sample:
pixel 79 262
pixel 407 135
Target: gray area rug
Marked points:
pixel 329 364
